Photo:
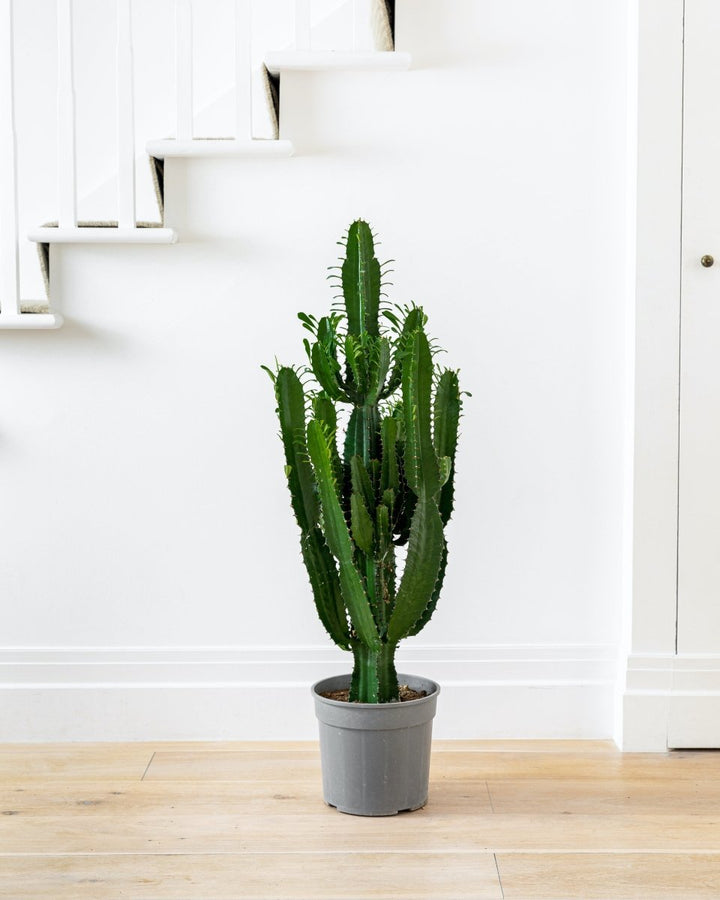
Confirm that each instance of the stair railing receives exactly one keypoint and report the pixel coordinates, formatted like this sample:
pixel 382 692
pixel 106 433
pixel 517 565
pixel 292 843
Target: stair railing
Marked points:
pixel 67 229
pixel 13 314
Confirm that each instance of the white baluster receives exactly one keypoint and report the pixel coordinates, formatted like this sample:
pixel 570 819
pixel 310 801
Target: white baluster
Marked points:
pixel 302 24
pixel 9 268
pixel 67 178
pixel 184 69
pixel 243 69
pixel 125 117
pixel 355 25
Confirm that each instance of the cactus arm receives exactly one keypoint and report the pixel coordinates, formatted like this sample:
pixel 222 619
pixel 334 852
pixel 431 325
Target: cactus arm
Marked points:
pixel 361 281
pixel 413 320
pixel 362 501
pixel 405 500
pixel 390 475
pixel 357 365
pixel 386 562
pixel 327 371
pixel 325 584
pixel 291 412
pixel 430 608
pixel 379 365
pixel 403 517
pixel 362 436
pixel 353 436
pixel 417 584
pixel 421 465
pixel 361 524
pixel 445 434
pixel 361 483
pixel 324 412
pixel 338 539
pixel 318 560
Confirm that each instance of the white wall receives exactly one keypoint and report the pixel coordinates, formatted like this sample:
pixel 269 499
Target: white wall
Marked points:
pixel 144 507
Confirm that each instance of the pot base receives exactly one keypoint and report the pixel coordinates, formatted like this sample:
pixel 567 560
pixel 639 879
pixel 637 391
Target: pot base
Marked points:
pixel 359 812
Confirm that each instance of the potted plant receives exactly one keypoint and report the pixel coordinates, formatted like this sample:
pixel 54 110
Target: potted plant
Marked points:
pixel 371 368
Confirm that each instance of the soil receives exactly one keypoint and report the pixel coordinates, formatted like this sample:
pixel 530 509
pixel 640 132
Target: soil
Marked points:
pixel 406 693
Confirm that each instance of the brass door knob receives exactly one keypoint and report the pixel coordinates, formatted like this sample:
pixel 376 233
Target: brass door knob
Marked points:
pixel 707 261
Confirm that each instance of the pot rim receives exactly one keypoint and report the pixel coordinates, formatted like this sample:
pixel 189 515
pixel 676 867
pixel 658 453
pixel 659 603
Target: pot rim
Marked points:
pixel 394 704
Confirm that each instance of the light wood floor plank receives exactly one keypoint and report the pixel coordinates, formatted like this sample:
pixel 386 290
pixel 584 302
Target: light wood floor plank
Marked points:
pixel 245 765
pixel 153 798
pixel 600 748
pixel 312 833
pixel 322 876
pixel 686 765
pixel 19 762
pixel 466 766
pixel 605 796
pixel 609 877
pixel 166 798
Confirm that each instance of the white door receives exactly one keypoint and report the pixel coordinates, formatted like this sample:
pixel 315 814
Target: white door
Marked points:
pixel 695 716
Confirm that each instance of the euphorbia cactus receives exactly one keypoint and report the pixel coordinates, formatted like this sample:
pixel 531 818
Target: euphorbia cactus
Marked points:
pixel 393 483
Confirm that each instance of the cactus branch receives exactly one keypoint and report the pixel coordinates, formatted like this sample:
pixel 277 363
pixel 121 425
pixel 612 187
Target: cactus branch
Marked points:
pixel 338 538
pixel 361 281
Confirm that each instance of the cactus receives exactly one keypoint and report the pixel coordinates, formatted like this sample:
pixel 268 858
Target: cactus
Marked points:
pixel 392 483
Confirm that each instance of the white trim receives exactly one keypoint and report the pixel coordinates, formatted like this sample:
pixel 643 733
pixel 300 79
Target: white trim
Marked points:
pixel 511 664
pixel 30 321
pixel 331 60
pixel 253 693
pixel 199 147
pixel 108 235
pixel 671 701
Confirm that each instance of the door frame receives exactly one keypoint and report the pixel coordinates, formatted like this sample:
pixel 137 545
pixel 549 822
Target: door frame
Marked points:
pixel 663 697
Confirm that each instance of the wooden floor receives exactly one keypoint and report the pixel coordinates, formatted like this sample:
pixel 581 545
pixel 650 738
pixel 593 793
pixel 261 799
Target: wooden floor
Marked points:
pixel 208 821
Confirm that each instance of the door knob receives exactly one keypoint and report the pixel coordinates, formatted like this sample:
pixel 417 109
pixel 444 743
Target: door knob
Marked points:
pixel 707 261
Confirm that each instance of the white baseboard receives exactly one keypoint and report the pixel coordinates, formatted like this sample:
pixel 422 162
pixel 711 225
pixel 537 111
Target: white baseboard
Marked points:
pixel 671 702
pixel 263 693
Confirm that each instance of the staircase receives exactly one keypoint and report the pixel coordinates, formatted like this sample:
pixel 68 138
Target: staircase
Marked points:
pixel 371 43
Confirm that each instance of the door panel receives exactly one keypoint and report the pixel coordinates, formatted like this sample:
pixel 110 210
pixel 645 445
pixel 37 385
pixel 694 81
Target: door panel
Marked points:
pixel 698 620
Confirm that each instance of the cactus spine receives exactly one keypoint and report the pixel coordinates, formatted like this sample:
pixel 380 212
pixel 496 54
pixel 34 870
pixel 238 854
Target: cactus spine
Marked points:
pixel 393 483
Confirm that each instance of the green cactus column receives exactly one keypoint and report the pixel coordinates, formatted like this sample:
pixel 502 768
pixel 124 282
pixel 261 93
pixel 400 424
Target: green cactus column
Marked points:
pixel 393 484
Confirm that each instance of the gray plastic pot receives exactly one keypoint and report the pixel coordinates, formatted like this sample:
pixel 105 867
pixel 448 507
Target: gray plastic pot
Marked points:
pixel 375 756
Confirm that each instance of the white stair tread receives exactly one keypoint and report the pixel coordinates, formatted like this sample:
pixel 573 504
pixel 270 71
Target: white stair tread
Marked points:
pixel 214 147
pixel 29 321
pixel 106 234
pixel 331 60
